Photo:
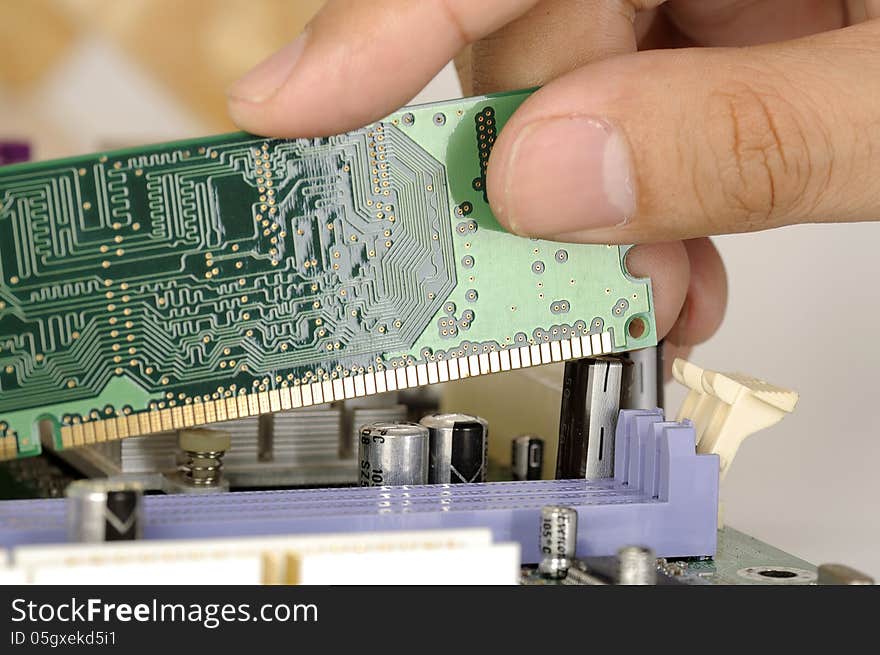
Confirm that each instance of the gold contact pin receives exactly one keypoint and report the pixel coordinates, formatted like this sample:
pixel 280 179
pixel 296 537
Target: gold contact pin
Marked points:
pixel 318 388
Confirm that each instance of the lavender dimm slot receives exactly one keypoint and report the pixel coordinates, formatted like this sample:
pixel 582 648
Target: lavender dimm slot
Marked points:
pixel 663 495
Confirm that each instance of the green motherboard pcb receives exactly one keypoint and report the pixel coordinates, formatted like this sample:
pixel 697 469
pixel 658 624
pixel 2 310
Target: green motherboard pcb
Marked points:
pixel 200 281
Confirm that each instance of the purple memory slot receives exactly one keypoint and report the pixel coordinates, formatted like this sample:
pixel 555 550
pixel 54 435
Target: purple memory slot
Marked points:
pixel 663 495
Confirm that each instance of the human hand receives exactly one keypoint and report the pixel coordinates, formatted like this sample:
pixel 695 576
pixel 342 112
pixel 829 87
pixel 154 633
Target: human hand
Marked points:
pixel 651 147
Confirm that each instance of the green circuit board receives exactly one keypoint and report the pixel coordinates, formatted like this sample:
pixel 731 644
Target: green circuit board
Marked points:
pixel 199 281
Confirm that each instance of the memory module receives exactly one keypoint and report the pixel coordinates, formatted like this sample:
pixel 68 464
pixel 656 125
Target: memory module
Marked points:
pixel 199 281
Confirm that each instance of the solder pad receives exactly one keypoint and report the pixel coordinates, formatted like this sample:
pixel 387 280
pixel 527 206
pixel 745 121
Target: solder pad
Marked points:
pixel 200 281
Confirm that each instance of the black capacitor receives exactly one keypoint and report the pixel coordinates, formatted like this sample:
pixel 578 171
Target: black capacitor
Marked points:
pixel 527 457
pixel 104 510
pixel 121 523
pixel 458 444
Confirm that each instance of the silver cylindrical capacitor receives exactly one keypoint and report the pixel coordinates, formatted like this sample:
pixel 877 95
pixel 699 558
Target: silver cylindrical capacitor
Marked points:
pixel 840 574
pixel 636 565
pixel 558 540
pixel 393 454
pixel 357 412
pixel 459 444
pixel 104 510
pixel 527 457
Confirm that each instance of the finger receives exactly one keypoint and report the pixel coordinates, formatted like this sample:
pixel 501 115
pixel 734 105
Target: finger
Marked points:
pixel 464 69
pixel 678 144
pixel 704 305
pixel 357 61
pixel 703 309
pixel 861 10
pixel 750 22
pixel 653 31
pixel 551 39
pixel 536 48
pixel 690 292
pixel 668 266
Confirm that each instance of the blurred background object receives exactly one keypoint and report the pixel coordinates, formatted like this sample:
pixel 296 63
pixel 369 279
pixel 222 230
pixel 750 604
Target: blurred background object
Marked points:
pixel 78 76
pixel 82 75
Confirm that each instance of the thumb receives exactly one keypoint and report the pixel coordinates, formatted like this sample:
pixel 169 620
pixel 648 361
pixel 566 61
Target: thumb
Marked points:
pixel 678 144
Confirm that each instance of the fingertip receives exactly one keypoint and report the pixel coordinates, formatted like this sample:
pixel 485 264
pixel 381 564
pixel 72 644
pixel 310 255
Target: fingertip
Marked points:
pixel 707 291
pixel 495 176
pixel 265 79
pixel 245 115
pixel 706 302
pixel 359 62
pixel 322 83
pixel 668 266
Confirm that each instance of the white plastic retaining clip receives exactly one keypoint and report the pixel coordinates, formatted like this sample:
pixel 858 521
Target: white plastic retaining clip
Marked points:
pixel 728 407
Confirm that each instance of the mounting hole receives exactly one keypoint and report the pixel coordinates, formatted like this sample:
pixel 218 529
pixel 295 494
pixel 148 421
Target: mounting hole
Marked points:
pixel 637 328
pixel 776 573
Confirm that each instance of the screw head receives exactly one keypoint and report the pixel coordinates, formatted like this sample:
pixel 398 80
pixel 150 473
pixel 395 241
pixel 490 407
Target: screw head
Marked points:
pixel 200 440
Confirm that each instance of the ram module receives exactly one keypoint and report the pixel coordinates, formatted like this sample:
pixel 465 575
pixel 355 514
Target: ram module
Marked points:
pixel 194 282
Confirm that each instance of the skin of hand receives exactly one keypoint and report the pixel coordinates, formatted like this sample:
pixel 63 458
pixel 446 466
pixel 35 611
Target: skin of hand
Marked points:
pixel 658 122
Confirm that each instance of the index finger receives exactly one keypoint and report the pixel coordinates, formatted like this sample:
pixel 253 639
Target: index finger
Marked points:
pixel 358 61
